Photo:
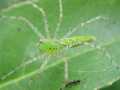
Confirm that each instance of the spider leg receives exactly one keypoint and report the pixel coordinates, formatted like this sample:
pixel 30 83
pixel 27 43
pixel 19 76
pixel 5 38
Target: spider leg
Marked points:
pixel 23 19
pixel 20 4
pixel 41 10
pixel 60 17
pixel 102 49
pixel 68 82
pixel 83 24
pixel 34 59
pixel 66 76
pixel 45 62
pixel 46 25
pixel 106 53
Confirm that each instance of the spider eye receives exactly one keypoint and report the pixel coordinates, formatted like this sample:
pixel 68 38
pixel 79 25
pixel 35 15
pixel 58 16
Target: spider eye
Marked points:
pixel 40 41
pixel 50 48
pixel 56 48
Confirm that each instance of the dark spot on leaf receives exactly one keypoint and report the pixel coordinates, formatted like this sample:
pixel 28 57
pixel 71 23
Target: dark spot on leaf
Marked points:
pixel 19 29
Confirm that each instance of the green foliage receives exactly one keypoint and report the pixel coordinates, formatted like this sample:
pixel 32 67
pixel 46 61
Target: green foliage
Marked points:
pixel 93 67
pixel 115 86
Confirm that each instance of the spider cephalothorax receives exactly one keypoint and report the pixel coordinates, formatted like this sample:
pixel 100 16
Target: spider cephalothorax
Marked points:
pixel 50 46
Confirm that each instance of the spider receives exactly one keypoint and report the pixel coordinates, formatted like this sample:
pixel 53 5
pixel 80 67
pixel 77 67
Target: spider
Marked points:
pixel 51 46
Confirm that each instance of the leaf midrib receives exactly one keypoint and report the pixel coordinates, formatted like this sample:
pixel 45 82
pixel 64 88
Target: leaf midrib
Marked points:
pixel 53 65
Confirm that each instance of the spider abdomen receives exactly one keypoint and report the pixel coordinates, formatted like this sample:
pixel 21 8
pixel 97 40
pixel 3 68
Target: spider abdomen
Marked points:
pixel 77 40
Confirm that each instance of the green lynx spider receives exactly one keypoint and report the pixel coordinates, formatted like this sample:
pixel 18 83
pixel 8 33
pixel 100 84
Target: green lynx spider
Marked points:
pixel 48 45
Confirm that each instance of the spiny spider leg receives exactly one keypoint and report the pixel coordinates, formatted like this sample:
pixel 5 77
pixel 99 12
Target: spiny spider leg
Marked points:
pixel 110 58
pixel 83 24
pixel 21 18
pixel 66 76
pixel 44 18
pixel 34 59
pixel 69 83
pixel 60 18
pixel 106 53
pixel 41 10
pixel 16 5
pixel 43 65
pixel 45 62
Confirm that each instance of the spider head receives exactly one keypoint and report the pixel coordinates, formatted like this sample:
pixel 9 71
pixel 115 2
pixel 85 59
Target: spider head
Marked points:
pixel 49 46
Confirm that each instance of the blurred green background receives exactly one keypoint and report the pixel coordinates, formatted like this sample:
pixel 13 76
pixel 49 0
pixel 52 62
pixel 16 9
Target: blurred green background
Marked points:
pixel 5 3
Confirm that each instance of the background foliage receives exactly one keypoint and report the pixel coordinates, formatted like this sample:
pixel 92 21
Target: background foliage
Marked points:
pixel 17 44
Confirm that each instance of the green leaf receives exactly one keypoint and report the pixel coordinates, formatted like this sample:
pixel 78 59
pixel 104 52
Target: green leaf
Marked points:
pixel 115 86
pixel 95 68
